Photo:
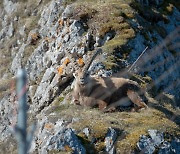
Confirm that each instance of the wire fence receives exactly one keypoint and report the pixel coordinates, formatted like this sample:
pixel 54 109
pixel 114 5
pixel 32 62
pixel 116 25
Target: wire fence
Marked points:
pixel 141 65
pixel 164 79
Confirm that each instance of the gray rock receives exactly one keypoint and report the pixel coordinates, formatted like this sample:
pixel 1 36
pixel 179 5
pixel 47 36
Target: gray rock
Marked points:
pixel 170 147
pixel 10 31
pixel 48 75
pixel 35 65
pixel 68 12
pixel 15 18
pixel 156 136
pixel 30 37
pixel 49 16
pixel 66 38
pixel 7 115
pixel 159 63
pixel 86 131
pixel 9 6
pixel 32 90
pixel 165 148
pixel 3 33
pixel 156 142
pixel 22 30
pixel 146 145
pixel 17 61
pixel 110 139
pixel 77 27
pixel 65 137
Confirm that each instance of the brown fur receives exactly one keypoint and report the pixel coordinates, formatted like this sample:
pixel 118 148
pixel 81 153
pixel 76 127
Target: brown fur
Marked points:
pixel 106 93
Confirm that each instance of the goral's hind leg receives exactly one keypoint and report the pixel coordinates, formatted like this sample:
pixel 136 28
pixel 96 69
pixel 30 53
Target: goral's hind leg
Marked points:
pixel 134 97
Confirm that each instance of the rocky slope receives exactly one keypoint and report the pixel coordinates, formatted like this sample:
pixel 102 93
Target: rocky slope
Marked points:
pixel 51 39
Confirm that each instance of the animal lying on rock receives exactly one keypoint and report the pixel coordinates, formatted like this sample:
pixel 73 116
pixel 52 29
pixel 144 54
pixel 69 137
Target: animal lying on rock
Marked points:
pixel 105 92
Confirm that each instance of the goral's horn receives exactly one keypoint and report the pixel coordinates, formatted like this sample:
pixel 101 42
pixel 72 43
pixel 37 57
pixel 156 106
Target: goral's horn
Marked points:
pixel 98 51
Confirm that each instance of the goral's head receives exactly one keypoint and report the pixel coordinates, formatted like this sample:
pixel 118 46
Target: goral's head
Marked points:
pixel 81 76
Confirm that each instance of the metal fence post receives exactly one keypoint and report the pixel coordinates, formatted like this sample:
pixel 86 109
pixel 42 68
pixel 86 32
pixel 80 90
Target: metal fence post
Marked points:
pixel 23 139
pixel 22 109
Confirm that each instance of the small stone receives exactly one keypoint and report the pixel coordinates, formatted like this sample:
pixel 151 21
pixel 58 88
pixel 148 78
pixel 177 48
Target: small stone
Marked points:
pixel 49 126
pixel 165 148
pixel 66 38
pixel 146 145
pixel 68 12
pixel 32 90
pixel 157 137
pixel 65 138
pixel 10 30
pixel 110 139
pixel 15 18
pixel 22 30
pixel 86 131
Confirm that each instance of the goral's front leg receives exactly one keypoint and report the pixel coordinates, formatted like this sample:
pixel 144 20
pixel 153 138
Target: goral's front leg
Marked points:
pixel 134 97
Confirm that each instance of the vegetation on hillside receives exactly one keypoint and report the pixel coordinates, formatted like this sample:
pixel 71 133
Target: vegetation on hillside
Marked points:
pixel 101 17
pixel 129 125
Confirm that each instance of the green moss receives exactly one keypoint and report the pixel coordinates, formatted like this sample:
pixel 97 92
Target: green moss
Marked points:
pixel 61 99
pixel 143 81
pixel 140 125
pixel 59 152
pixel 146 36
pixel 162 32
pixel 172 49
pixel 133 124
pixel 118 43
pixel 174 52
pixel 154 14
pixel 119 40
pixel 154 39
pixel 108 16
pixel 168 6
pixel 98 131
pixel 149 13
pixel 68 2
pixel 110 62
pixel 58 101
pixel 61 108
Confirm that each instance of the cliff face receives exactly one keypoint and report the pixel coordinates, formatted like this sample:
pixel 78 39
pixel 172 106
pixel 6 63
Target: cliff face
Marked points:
pixel 49 40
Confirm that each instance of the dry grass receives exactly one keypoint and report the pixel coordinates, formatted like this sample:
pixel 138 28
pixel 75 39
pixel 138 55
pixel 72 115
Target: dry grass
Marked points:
pixel 29 49
pixel 168 6
pixel 24 19
pixel 5 87
pixel 108 16
pixel 129 125
pixel 5 60
pixel 9 149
